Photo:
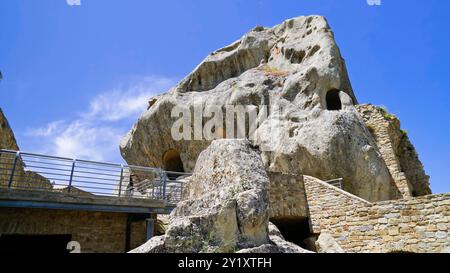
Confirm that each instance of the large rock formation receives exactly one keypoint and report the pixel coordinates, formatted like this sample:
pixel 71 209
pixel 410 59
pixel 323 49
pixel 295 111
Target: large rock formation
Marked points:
pixel 312 127
pixel 225 207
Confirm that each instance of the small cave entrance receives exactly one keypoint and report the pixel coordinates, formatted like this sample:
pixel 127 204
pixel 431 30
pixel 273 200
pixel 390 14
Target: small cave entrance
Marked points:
pixel 172 163
pixel 295 230
pixel 333 100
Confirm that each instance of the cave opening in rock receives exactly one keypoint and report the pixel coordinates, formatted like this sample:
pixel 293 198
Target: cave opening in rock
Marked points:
pixel 172 163
pixel 295 230
pixel 333 100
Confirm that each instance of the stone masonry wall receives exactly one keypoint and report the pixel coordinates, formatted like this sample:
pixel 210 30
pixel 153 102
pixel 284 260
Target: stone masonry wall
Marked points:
pixel 287 195
pixel 399 154
pixel 96 232
pixel 324 202
pixel 414 225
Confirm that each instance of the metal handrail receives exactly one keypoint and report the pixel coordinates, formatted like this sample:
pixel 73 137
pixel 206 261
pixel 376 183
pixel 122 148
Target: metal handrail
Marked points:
pixel 88 161
pixel 97 178
pixel 335 182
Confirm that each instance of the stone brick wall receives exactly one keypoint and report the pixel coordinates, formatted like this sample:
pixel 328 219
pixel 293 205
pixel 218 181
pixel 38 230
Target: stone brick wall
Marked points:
pixel 287 196
pixel 97 232
pixel 415 224
pixel 399 154
pixel 328 205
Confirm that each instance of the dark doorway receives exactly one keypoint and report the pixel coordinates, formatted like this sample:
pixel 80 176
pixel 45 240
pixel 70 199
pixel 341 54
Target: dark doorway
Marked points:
pixel 333 100
pixel 294 229
pixel 172 163
pixel 17 243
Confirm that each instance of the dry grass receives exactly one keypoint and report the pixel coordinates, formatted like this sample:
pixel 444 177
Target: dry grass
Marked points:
pixel 273 71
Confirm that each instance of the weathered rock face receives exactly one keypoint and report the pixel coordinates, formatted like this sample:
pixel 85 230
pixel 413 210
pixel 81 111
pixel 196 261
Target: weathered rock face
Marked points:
pixel 7 142
pixel 7 139
pixel 225 207
pixel 22 178
pixel 312 127
pixel 327 244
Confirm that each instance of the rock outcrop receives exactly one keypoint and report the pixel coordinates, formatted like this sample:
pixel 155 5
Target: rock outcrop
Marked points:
pixel 7 138
pixel 294 69
pixel 225 207
pixel 302 126
pixel 327 244
pixel 22 179
pixel 7 142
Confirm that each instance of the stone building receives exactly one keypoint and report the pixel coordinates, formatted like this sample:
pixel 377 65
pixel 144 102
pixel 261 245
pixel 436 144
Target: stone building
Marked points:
pixel 36 216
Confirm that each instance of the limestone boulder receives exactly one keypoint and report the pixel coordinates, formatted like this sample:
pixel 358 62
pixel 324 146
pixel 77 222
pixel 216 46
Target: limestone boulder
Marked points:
pixel 445 250
pixel 154 245
pixel 225 204
pixel 294 71
pixel 327 244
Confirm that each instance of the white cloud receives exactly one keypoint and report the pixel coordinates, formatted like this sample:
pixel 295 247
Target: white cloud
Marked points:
pixel 95 133
pixel 84 140
pixel 119 104
pixel 45 131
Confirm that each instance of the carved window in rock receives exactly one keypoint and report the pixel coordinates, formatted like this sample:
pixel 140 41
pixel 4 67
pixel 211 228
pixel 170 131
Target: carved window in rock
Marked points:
pixel 172 162
pixel 333 100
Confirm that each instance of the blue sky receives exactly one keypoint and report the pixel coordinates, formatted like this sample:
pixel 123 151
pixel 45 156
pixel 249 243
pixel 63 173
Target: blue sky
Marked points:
pixel 77 77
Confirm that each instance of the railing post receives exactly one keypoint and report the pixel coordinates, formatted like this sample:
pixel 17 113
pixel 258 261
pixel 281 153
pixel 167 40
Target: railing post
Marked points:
pixel 11 178
pixel 121 179
pixel 71 175
pixel 153 188
pixel 150 229
pixel 164 184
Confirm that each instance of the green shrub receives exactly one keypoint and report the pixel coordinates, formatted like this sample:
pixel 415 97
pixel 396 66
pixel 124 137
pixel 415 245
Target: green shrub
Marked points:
pixel 385 112
pixel 388 116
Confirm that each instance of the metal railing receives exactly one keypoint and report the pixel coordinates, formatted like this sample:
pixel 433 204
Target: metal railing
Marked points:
pixel 336 182
pixel 28 171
